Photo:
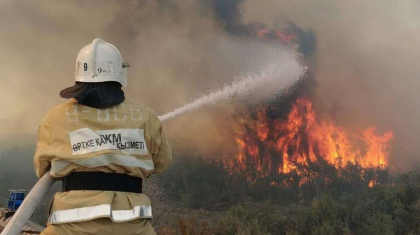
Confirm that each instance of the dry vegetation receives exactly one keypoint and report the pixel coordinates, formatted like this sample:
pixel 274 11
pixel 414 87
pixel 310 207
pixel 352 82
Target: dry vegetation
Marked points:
pixel 196 196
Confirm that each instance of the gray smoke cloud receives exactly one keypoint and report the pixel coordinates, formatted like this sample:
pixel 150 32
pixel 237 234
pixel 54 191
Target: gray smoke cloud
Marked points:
pixel 178 51
pixel 367 63
pixel 366 60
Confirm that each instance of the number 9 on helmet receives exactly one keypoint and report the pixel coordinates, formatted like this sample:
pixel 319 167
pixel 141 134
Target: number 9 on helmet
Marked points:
pixel 100 62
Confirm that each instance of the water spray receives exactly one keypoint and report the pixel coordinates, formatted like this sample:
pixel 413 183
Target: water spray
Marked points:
pixel 270 81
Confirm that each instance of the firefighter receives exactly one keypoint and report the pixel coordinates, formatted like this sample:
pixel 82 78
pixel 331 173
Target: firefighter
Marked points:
pixel 102 147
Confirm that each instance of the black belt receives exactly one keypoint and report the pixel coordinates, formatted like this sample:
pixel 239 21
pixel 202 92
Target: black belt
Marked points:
pixel 102 181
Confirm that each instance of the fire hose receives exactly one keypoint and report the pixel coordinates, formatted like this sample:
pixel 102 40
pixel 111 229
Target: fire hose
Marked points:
pixel 241 87
pixel 25 211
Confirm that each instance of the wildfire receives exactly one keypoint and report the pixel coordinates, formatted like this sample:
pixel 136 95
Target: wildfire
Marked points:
pixel 280 145
pixel 286 37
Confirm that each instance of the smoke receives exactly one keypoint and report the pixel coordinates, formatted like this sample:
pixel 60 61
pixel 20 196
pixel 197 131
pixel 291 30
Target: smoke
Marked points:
pixel 178 51
pixel 229 14
pixel 364 63
pixel 38 46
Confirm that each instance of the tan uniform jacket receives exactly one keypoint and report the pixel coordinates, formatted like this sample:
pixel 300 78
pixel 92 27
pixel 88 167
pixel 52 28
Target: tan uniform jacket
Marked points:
pixel 127 139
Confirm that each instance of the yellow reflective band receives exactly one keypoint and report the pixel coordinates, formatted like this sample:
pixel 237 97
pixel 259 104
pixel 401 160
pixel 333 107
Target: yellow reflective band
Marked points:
pixel 103 160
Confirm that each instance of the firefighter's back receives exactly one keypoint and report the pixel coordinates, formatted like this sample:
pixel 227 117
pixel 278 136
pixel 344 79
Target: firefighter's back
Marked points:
pixel 88 146
pixel 102 147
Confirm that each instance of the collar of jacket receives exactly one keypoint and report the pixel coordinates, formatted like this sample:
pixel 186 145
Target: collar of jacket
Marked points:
pixel 96 95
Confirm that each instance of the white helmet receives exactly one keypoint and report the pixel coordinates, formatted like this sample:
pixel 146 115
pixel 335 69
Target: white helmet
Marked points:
pixel 100 62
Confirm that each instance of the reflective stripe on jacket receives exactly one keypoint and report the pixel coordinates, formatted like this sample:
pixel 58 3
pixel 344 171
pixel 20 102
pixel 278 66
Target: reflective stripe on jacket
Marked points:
pixel 77 206
pixel 127 139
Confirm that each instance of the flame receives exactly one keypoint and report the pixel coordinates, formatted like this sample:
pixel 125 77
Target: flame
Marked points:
pixel 288 38
pixel 282 36
pixel 281 145
pixel 262 32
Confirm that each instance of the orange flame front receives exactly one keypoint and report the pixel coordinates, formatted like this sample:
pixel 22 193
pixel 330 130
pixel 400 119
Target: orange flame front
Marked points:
pixel 279 145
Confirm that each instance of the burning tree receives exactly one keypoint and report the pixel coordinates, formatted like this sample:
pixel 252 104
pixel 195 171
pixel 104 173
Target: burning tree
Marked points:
pixel 281 145
pixel 273 141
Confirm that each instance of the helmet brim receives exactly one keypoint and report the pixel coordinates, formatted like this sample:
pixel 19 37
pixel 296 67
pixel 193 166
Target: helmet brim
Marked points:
pixel 78 91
